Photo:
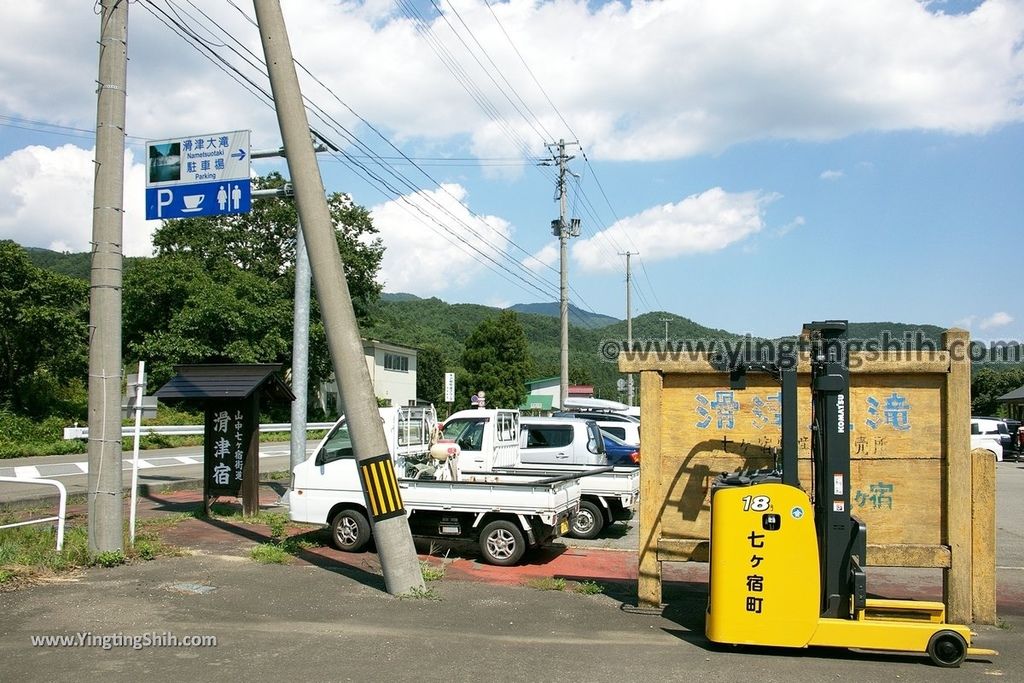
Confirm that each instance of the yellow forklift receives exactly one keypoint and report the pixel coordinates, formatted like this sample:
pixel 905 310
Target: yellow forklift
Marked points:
pixel 786 571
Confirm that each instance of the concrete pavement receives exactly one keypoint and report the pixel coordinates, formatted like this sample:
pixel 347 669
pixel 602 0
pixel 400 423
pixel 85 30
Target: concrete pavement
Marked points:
pixel 327 617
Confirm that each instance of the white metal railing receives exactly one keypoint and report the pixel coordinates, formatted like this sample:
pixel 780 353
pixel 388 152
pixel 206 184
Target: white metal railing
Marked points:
pixel 188 430
pixel 61 507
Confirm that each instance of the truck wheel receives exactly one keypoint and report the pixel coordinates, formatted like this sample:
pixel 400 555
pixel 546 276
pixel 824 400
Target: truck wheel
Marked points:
pixel 947 649
pixel 349 530
pixel 588 522
pixel 502 543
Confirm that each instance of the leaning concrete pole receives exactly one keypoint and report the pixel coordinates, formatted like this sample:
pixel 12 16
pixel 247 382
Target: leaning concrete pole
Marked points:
pixel 390 526
pixel 105 496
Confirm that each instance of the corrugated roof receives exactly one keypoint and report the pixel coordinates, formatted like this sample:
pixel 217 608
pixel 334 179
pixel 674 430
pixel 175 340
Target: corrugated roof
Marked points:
pixel 1015 395
pixel 224 381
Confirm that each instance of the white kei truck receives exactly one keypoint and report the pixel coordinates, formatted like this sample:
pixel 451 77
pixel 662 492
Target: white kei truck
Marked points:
pixel 504 513
pixel 550 447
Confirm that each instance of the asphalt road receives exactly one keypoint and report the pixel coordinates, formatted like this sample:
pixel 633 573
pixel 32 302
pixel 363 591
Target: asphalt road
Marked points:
pixel 156 468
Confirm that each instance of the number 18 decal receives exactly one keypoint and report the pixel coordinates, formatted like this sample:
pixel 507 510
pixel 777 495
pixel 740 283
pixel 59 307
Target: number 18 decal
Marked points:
pixel 756 503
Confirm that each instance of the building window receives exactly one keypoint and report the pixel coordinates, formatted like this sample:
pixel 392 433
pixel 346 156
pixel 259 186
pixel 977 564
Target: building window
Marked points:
pixel 392 361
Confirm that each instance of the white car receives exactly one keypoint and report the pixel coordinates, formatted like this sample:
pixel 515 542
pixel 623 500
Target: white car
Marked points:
pixel 985 434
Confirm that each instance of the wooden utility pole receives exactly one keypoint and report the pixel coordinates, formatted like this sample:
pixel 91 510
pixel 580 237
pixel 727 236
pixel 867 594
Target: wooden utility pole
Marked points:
pixel 398 560
pixel 105 495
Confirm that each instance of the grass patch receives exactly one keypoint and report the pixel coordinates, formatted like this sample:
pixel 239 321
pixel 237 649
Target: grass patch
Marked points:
pixel 547 584
pixel 270 553
pixel 431 572
pixel 28 554
pixel 589 588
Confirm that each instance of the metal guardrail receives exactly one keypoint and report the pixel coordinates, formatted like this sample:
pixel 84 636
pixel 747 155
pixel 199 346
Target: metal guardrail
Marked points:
pixel 61 507
pixel 188 430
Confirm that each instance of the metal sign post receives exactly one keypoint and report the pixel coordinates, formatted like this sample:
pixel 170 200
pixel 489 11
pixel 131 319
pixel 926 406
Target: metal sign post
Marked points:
pixel 140 389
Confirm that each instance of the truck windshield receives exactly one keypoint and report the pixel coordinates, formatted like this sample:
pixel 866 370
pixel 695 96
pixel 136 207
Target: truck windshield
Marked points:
pixel 338 445
pixel 468 434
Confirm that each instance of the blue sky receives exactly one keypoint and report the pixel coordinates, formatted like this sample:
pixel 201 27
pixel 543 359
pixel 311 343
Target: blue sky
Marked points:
pixel 771 163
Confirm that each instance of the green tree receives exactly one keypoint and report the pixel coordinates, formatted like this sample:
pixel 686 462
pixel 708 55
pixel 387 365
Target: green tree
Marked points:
pixel 43 338
pixel 222 289
pixel 430 369
pixel 989 382
pixel 497 362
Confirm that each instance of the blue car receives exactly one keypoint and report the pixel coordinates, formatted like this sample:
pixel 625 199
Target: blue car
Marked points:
pixel 620 453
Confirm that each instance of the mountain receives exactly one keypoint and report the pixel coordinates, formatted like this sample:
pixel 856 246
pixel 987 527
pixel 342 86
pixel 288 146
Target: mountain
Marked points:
pixel 75 265
pixel 577 316
pixel 405 318
pixel 399 296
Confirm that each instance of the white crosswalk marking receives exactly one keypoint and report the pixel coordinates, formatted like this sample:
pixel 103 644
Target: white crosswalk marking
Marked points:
pixel 26 472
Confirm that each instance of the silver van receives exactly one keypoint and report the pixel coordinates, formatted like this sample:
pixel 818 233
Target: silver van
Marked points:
pixel 560 441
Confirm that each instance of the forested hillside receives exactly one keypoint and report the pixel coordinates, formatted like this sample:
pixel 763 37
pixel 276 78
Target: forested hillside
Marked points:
pixel 441 329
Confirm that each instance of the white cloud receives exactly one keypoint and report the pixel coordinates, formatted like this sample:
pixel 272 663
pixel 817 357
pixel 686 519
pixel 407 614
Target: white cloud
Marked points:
pixel 640 80
pixel 791 226
pixel 701 223
pixel 998 319
pixel 46 200
pixel 546 256
pixel 422 258
pixel 831 175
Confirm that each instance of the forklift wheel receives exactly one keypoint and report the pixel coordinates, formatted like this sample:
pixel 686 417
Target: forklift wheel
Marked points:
pixel 947 649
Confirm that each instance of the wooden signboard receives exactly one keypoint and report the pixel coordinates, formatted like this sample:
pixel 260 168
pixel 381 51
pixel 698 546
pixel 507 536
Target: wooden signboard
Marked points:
pixel 911 475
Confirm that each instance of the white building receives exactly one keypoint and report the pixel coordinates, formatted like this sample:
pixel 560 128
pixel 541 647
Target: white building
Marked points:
pixel 392 372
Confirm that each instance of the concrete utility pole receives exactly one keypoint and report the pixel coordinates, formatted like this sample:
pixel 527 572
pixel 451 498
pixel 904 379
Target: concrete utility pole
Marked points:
pixel 563 231
pixel 666 321
pixel 398 560
pixel 629 318
pixel 105 496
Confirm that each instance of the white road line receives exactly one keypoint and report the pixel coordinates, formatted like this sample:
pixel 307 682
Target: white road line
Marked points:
pixel 27 472
pixel 32 471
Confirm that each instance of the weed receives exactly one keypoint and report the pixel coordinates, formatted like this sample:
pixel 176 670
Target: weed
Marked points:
pixel 589 588
pixel 1003 624
pixel 110 558
pixel 270 553
pixel 432 572
pixel 426 593
pixel 547 584
pixel 277 524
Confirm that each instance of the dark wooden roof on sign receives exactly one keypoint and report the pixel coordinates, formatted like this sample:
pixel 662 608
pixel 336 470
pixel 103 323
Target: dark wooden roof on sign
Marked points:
pixel 1015 395
pixel 224 381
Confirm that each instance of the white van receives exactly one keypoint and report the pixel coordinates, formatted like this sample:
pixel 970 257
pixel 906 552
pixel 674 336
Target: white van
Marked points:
pixel 560 441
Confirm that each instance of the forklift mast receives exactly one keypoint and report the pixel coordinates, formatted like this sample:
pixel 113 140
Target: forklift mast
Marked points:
pixel 841 537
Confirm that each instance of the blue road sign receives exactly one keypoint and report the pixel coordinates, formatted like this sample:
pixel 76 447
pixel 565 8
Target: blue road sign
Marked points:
pixel 216 198
pixel 198 175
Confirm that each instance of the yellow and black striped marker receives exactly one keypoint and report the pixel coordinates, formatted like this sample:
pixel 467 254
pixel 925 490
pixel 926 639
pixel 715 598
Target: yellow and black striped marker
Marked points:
pixel 381 487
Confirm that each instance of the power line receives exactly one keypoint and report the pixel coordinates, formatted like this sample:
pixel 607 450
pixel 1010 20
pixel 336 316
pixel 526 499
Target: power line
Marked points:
pixel 355 165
